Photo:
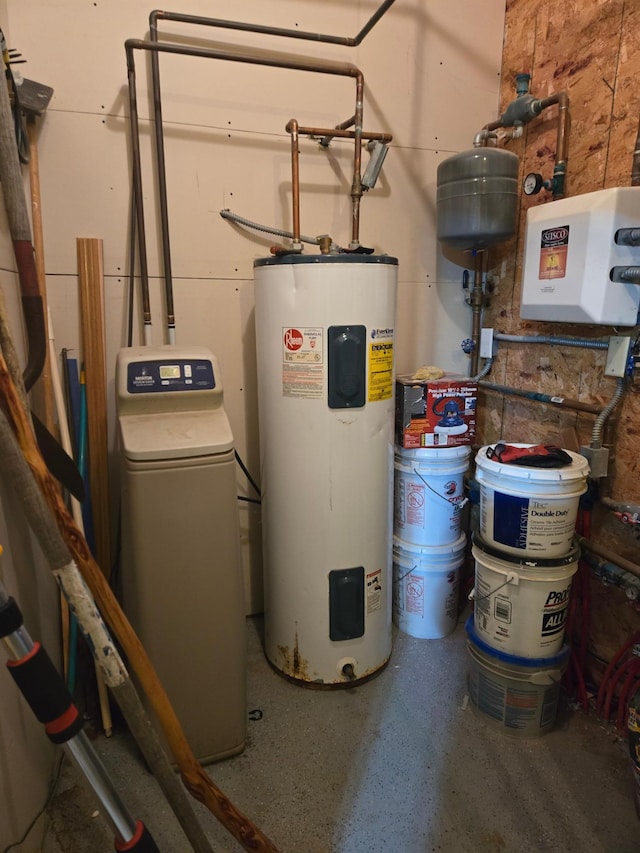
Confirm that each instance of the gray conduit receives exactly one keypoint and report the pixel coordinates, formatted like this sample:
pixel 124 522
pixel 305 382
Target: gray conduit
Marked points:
pixel 596 435
pixel 277 232
pixel 587 343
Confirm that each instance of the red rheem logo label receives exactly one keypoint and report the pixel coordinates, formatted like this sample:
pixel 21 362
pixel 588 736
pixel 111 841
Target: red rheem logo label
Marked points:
pixel 293 339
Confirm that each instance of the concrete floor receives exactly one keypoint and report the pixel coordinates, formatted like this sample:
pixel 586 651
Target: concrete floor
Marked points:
pixel 398 765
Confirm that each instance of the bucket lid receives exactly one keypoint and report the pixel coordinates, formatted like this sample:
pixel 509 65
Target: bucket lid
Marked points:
pixel 560 659
pixel 528 563
pixel 429 454
pixel 401 547
pixel 578 470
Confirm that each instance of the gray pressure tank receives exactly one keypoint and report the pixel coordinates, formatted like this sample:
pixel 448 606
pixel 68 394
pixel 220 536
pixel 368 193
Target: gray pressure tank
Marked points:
pixel 477 198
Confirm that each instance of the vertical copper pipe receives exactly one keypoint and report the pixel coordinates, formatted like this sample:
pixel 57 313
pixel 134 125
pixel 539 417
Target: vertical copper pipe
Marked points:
pixel 356 186
pixel 292 128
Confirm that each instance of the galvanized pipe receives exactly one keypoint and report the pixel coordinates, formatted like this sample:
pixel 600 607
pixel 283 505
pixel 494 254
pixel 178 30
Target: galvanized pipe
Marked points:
pixel 263 59
pixel 178 17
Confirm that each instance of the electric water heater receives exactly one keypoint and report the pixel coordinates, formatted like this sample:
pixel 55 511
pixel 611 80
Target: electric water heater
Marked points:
pixel 325 351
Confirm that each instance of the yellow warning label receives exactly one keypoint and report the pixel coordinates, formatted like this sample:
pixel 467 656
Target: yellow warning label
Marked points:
pixel 380 371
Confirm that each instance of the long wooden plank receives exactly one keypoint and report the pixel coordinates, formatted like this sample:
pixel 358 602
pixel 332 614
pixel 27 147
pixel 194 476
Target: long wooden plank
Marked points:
pixel 91 288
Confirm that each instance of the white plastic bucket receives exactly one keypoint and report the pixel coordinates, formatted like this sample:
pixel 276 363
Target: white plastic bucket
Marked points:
pixel 425 588
pixel 521 605
pixel 429 494
pixel 517 695
pixel 529 511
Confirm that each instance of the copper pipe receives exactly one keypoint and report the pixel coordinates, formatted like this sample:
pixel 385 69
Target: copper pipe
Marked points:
pixel 356 187
pixel 562 100
pixel 345 134
pixel 292 128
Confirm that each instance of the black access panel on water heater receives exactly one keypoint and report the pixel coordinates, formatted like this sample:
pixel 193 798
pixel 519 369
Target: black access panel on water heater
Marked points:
pixel 347 365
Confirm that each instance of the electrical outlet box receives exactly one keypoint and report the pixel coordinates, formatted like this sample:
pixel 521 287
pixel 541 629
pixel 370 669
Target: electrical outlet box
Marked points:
pixel 570 252
pixel 617 356
pixel 487 347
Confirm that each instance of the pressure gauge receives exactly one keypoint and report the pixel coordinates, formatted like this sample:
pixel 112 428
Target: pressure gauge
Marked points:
pixel 532 184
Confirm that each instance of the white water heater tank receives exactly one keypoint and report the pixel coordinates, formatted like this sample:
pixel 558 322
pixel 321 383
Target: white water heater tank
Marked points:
pixel 325 354
pixel 572 262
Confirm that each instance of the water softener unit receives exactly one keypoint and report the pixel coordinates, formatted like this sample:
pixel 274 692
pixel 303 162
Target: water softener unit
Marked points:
pixel 181 576
pixel 325 353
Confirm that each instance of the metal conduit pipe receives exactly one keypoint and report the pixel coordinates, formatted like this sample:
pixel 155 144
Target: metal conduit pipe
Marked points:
pixel 263 58
pixel 596 435
pixel 486 370
pixel 560 402
pixel 277 232
pixel 606 554
pixel 587 343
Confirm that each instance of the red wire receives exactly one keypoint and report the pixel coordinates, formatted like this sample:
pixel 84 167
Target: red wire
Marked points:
pixel 635 638
pixel 623 699
pixel 622 670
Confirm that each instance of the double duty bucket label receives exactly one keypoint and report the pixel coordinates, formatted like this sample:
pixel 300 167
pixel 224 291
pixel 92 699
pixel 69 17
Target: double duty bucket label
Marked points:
pixel 528 524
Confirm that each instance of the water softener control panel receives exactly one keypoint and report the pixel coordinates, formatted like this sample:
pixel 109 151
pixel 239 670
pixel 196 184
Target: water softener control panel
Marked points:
pixel 144 377
pixel 184 386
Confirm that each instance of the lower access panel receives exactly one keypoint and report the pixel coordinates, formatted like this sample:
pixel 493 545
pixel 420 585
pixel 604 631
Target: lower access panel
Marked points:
pixel 182 591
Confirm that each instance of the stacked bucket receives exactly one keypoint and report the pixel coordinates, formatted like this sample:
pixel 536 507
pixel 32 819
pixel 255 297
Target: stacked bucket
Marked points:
pixel 432 454
pixel 525 559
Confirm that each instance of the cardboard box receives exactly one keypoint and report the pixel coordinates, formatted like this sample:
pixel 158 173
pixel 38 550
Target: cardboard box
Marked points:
pixel 435 412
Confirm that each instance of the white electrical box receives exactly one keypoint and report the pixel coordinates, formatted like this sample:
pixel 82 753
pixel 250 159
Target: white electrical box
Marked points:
pixel 571 255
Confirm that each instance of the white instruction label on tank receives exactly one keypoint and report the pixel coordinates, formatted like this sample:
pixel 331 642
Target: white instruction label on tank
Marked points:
pixel 302 361
pixel 374 590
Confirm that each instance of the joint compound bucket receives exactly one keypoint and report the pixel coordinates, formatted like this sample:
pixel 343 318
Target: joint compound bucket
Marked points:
pixel 429 494
pixel 529 511
pixel 425 588
pixel 521 605
pixel 515 694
